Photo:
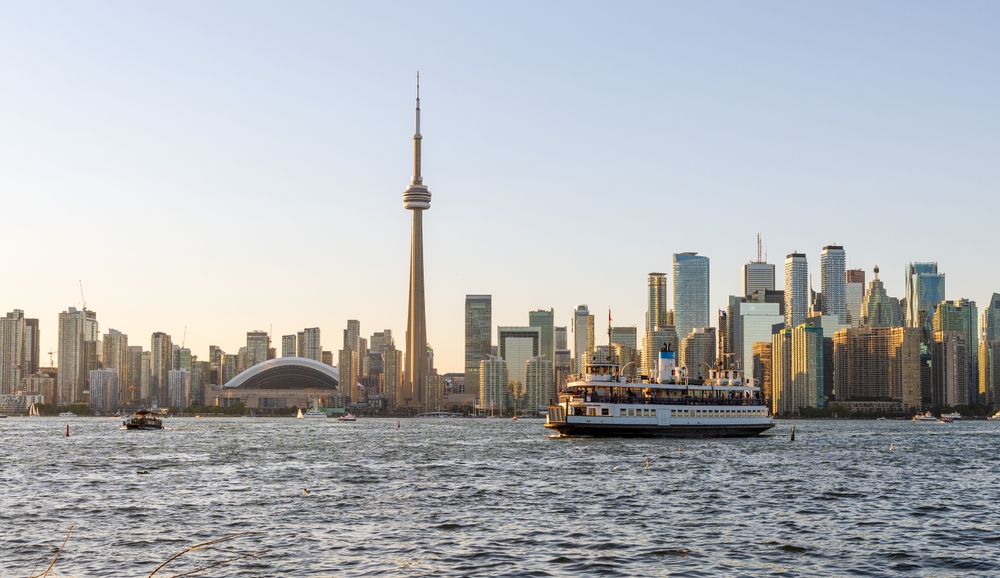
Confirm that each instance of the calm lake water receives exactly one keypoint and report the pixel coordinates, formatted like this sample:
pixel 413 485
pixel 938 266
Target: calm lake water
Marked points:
pixel 498 498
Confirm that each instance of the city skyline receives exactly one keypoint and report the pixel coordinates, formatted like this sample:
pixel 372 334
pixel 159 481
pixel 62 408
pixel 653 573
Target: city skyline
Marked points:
pixel 280 169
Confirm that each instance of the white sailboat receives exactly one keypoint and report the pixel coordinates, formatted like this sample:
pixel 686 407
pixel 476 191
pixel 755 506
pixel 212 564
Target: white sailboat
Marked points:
pixel 300 414
pixel 33 411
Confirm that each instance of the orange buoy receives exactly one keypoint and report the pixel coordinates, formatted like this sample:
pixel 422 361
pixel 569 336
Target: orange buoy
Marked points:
pixel 397 424
pixel 67 430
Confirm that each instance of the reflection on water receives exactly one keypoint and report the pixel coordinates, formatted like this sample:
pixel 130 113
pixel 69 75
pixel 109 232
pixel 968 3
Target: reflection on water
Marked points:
pixel 494 497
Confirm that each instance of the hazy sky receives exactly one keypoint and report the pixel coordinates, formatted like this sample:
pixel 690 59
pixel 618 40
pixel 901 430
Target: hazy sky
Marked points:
pixel 230 166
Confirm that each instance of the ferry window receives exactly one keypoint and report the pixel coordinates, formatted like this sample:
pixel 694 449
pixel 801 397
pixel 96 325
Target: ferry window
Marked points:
pixel 631 412
pixel 605 411
pixel 622 410
pixel 673 413
pixel 697 413
pixel 652 413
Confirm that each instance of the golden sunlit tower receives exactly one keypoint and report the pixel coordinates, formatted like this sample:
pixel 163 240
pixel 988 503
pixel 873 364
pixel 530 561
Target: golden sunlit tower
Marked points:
pixel 416 198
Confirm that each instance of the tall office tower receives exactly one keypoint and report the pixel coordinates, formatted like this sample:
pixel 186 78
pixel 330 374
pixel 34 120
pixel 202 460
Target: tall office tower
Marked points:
pixel 478 337
pixel 949 366
pixel 729 332
pixel 583 336
pixel 697 352
pixel 989 372
pixel 854 294
pixel 11 352
pixel 762 367
pixel 300 344
pixel 32 355
pixel 71 379
pixel 416 198
pixel 257 344
pixel 766 296
pixel 833 272
pixel 539 385
pixel 327 358
pixel 627 336
pixel 352 333
pixel 309 344
pixel 924 290
pixel 962 316
pixel 392 380
pixel 493 380
pixel 877 308
pixel 562 368
pixel 561 341
pixel 132 389
pixel 756 323
pixel 517 346
pixel 652 342
pixel 178 388
pixel 873 363
pixel 782 400
pixel 116 357
pixel 104 387
pixel 991 319
pixel 656 301
pixel 758 275
pixel 382 339
pixel 288 348
pixel 807 367
pixel 349 373
pixel 161 363
pixel 201 375
pixel 796 290
pixel 544 321
pixel 691 292
pixel 146 376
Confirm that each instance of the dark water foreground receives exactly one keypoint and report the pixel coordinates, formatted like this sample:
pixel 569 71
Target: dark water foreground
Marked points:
pixel 498 498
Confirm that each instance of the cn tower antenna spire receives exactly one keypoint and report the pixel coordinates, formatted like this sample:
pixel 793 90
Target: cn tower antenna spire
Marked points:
pixel 417 178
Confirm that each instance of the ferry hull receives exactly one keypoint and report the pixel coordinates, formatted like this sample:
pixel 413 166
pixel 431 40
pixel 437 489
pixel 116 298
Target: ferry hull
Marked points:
pixel 671 431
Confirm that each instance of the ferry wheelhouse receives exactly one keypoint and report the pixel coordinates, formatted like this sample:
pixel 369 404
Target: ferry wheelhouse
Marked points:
pixel 603 402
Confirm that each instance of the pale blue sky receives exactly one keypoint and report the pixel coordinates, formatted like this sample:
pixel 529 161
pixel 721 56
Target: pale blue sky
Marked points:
pixel 232 165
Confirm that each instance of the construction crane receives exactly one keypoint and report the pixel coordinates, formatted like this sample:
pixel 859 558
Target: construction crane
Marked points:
pixel 50 359
pixel 82 298
pixel 184 339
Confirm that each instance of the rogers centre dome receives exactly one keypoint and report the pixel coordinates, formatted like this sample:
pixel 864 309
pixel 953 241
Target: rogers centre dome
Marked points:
pixel 281 383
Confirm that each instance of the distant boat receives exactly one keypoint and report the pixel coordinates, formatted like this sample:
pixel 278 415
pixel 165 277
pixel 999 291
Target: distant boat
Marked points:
pixel 315 411
pixel 347 417
pixel 300 414
pixel 67 414
pixel 33 411
pixel 951 416
pixel 927 417
pixel 514 418
pixel 882 419
pixel 995 416
pixel 143 419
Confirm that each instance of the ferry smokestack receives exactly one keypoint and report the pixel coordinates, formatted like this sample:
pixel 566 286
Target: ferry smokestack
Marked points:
pixel 667 364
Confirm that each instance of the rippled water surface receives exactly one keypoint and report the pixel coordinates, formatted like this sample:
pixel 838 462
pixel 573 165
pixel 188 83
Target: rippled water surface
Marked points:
pixel 498 498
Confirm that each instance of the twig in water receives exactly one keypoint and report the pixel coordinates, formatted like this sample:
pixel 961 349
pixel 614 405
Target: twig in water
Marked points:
pixel 196 547
pixel 221 562
pixel 53 562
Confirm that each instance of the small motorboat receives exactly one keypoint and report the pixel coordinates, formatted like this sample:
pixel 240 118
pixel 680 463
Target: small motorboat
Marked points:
pixel 143 419
pixel 927 417
pixel 314 413
pixel 951 416
pixel 514 418
pixel 347 417
pixel 67 414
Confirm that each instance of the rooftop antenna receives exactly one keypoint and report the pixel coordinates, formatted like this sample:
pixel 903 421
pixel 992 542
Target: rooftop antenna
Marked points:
pixel 82 298
pixel 758 248
pixel 184 339
pixel 51 364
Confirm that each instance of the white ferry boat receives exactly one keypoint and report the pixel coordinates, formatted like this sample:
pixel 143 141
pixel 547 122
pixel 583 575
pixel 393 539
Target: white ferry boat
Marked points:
pixel 603 402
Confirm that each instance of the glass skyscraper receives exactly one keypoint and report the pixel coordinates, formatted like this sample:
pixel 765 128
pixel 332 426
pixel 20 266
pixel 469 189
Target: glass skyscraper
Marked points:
pixel 691 292
pixel 796 289
pixel 478 335
pixel 656 301
pixel 545 321
pixel 833 264
pixel 924 290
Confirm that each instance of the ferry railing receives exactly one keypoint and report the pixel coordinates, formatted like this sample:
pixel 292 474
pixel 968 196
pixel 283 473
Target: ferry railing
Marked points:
pixel 736 401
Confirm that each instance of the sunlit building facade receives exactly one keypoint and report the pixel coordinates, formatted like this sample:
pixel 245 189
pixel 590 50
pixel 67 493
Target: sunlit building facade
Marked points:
pixel 691 292
pixel 796 290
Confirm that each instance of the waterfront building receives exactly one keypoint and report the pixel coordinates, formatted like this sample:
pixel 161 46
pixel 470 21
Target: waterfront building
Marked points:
pixel 478 336
pixel 757 276
pixel 32 355
pixel 561 341
pixel 989 372
pixel 327 358
pixel 349 370
pixel 104 387
pixel 380 340
pixel 162 362
pixel 517 346
pixel 12 329
pixel 230 367
pixel 796 290
pixel 145 375
pixel 539 388
pixel 562 368
pixel 308 345
pixel 258 343
pixel 279 383
pixel 583 335
pixel 627 336
pixel 697 352
pixel 924 290
pixel 854 294
pixel 182 358
pixel 878 364
pixel 691 292
pixel 75 327
pixel 782 400
pixel 116 356
pixel 288 346
pixel 179 388
pixel 949 366
pixel 833 265
pixel 132 386
pixel 416 198
pixel 762 367
pixel 656 301
pixel 493 384
pixel 756 323
pixel 652 342
pixel 392 374
pixel 352 333
pixel 766 296
pixel 878 309
pixel 545 322
pixel 807 367
pixel 991 319
pixel 962 316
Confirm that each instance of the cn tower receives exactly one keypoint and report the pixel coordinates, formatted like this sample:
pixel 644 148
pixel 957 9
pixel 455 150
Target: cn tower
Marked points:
pixel 416 198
